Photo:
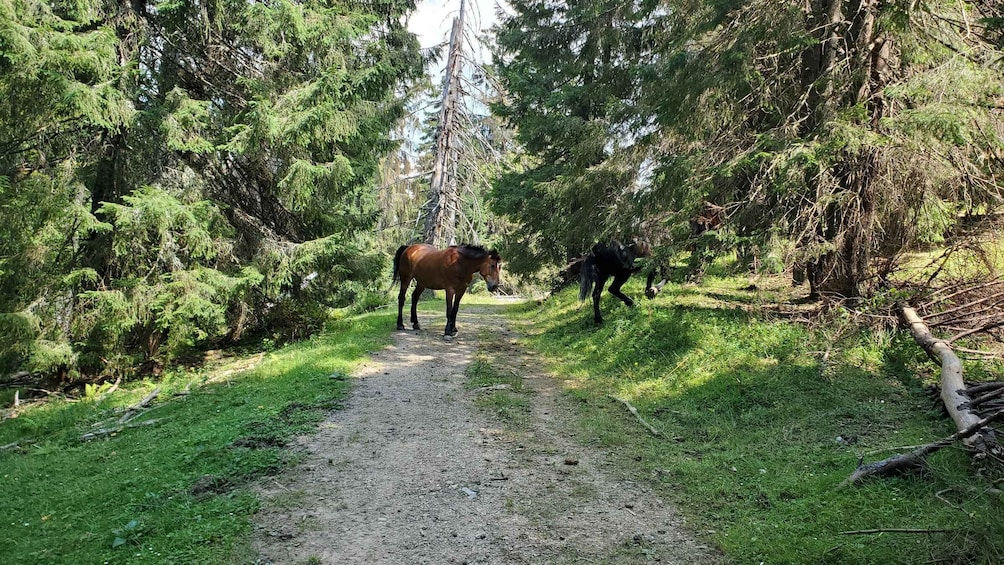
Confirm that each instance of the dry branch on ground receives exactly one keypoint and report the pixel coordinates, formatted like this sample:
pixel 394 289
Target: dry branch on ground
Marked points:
pixel 914 460
pixel 634 411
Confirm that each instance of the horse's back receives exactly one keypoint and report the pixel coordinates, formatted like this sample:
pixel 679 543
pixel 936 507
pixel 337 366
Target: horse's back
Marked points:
pixel 608 258
pixel 418 251
pixel 426 263
pixel 616 258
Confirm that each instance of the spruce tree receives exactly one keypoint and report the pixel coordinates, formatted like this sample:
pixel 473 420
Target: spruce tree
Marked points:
pixel 209 170
pixel 830 132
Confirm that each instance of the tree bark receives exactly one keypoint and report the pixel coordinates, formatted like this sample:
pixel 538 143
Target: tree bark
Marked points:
pixel 441 209
pixel 952 386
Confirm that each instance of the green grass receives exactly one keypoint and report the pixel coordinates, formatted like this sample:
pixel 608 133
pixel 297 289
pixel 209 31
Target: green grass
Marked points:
pixel 752 419
pixel 177 491
pixel 500 392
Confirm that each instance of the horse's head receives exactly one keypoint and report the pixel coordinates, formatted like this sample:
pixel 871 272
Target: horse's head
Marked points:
pixel 640 247
pixel 491 270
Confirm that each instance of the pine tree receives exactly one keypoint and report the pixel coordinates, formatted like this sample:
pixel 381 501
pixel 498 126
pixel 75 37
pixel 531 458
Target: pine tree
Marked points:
pixel 211 169
pixel 831 132
pixel 571 74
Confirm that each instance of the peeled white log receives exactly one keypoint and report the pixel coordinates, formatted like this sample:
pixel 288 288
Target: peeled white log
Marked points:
pixel 952 385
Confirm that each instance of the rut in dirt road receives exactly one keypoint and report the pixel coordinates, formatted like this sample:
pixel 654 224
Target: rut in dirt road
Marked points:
pixel 410 471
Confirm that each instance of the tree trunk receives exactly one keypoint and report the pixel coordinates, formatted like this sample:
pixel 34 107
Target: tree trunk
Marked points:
pixel 849 221
pixel 441 208
pixel 952 386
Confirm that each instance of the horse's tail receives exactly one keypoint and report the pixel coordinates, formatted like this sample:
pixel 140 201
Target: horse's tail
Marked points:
pixel 587 276
pixel 397 263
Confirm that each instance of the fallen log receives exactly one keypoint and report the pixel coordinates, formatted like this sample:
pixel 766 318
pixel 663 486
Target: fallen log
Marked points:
pixel 973 430
pixel 952 386
pixel 135 410
pixel 905 462
pixel 105 432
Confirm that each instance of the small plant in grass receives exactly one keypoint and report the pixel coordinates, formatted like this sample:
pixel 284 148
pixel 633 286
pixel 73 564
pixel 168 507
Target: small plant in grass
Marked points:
pixel 499 392
pixel 128 533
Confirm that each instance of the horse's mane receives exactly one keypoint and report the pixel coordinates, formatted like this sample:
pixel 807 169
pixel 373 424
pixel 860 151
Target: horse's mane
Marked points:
pixel 468 251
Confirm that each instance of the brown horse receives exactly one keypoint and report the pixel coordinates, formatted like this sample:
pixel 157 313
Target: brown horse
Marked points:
pixel 451 269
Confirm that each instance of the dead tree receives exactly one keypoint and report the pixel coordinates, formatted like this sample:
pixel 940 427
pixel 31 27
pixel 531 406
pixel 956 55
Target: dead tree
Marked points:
pixel 444 197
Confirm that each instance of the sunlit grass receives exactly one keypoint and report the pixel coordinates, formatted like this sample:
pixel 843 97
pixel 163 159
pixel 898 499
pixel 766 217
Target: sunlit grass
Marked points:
pixel 758 433
pixel 174 492
pixel 970 262
pixel 498 391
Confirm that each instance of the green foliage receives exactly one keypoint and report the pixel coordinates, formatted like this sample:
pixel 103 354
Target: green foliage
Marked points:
pixel 762 419
pixel 153 227
pixel 837 137
pixel 17 332
pixel 191 306
pixel 935 220
pixel 48 357
pixel 169 176
pixel 126 534
pixel 571 88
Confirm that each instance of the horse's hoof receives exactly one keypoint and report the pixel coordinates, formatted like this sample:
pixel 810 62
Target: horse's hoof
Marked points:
pixel 650 293
pixel 415 326
pixel 400 327
pixel 630 303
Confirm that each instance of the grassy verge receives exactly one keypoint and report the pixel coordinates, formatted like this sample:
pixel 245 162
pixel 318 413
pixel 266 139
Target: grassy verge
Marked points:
pixel 759 430
pixel 499 392
pixel 175 491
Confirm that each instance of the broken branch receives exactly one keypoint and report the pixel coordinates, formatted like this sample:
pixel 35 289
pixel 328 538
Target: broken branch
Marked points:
pixel 116 429
pixel 133 411
pixel 634 411
pixel 894 531
pixel 905 461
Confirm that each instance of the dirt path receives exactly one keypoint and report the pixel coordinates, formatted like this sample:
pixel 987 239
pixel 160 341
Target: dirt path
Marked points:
pixel 410 471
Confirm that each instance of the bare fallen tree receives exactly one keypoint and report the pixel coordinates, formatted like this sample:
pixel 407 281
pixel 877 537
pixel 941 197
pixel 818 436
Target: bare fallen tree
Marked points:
pixel 916 459
pixel 974 430
pixel 953 388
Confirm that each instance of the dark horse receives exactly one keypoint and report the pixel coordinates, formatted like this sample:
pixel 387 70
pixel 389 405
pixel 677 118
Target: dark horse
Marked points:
pixel 451 269
pixel 617 260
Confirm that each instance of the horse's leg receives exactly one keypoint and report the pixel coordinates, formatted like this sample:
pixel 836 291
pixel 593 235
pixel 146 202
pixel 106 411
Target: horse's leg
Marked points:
pixel 615 287
pixel 454 309
pixel 601 281
pixel 449 310
pixel 652 290
pixel 400 301
pixel 419 289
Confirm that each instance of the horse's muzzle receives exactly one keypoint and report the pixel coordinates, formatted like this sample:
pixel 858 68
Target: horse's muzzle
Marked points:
pixel 492 286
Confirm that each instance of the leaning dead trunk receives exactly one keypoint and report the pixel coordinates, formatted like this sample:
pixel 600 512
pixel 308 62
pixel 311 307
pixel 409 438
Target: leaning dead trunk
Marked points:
pixel 441 209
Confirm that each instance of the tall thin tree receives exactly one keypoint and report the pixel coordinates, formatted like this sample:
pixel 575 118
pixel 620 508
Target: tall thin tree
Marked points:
pixel 441 209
